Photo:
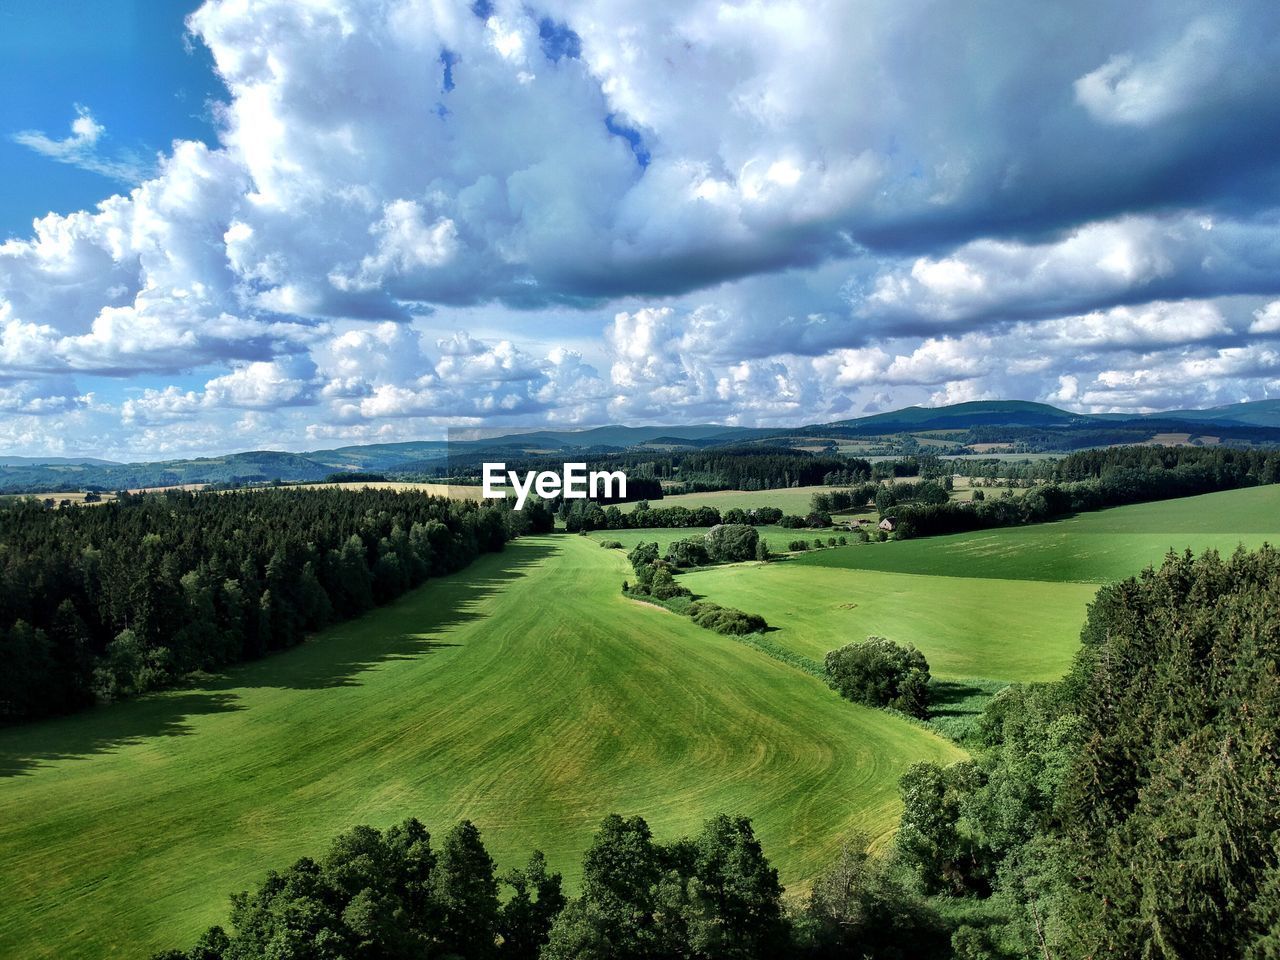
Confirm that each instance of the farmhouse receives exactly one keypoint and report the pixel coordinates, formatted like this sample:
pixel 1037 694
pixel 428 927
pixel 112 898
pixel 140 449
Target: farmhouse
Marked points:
pixel 888 524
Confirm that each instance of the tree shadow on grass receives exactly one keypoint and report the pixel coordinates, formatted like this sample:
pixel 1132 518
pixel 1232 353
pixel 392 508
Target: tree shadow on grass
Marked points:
pixel 956 705
pixel 955 698
pixel 105 729
pixel 406 629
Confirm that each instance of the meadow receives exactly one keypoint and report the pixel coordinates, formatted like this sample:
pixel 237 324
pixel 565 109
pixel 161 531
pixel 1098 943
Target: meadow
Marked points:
pixel 791 500
pixel 524 693
pixel 967 628
pixel 1088 548
pixel 1004 604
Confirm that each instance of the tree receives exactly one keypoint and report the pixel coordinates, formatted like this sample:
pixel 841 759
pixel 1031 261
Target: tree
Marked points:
pixel 858 908
pixel 731 542
pixel 526 918
pixel 467 893
pixel 880 673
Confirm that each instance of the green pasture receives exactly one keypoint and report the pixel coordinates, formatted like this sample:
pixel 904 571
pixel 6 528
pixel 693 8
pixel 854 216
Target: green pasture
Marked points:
pixel 1093 547
pixel 1008 630
pixel 524 693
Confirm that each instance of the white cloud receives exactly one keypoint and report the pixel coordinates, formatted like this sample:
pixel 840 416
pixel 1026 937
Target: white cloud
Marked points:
pixel 265 384
pixel 1127 90
pixel 80 149
pixel 784 208
pixel 1266 320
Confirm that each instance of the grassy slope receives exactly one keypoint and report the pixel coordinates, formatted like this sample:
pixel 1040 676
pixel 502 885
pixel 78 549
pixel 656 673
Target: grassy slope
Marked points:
pixel 967 628
pixel 524 693
pixel 1092 547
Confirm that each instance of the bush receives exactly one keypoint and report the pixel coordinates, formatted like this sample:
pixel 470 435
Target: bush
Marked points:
pixel 797 545
pixel 611 544
pixel 664 585
pixel 880 673
pixel 725 620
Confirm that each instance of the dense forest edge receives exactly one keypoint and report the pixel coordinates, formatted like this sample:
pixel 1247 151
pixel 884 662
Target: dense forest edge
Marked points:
pixel 106 602
pixel 1130 810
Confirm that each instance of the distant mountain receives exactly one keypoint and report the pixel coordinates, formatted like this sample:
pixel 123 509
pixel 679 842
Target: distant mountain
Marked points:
pixel 54 461
pixel 1020 413
pixel 379 456
pixel 1256 413
pixel 623 437
pixel 1034 426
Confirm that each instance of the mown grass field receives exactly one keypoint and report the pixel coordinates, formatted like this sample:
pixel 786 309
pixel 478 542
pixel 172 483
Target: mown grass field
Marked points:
pixel 792 500
pixel 524 693
pixel 1002 604
pixel 777 537
pixel 967 628
pixel 1089 548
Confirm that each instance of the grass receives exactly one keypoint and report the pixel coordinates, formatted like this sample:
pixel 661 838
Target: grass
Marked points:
pixel 525 693
pixel 777 537
pixel 1022 632
pixel 790 500
pixel 1094 547
pixel 796 501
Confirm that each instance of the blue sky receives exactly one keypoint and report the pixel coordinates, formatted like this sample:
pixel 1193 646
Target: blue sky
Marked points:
pixel 126 62
pixel 297 223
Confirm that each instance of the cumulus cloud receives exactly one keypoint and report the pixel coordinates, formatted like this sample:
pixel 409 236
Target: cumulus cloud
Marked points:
pixel 1141 92
pixel 667 211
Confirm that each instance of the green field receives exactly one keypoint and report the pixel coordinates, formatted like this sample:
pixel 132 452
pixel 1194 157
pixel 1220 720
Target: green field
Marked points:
pixel 1002 604
pixel 1089 548
pixel 777 537
pixel 524 693
pixel 967 628
pixel 791 500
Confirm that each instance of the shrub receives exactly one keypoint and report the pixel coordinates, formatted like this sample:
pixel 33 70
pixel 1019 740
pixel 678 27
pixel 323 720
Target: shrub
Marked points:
pixel 725 619
pixel 611 544
pixel 880 673
pixel 797 545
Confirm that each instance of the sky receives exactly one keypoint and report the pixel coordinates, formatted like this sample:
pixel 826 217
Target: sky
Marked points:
pixel 298 224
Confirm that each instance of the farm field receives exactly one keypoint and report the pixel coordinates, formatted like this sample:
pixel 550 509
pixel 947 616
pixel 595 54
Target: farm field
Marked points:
pixel 792 500
pixel 777 537
pixel 524 693
pixel 1091 548
pixel 967 628
pixel 1003 604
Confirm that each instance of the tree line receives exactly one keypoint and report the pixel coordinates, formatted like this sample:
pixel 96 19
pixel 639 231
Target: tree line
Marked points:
pixel 580 516
pixel 655 575
pixel 1103 478
pixel 391 895
pixel 103 602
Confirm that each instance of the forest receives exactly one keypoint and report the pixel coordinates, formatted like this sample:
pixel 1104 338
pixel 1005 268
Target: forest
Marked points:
pixel 107 601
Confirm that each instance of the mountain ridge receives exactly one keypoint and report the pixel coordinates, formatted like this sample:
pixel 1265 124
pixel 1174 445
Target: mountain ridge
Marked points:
pixel 1246 422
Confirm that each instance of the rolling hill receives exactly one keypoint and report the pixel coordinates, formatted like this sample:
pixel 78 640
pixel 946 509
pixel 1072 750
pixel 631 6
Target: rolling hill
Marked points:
pixel 1040 426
